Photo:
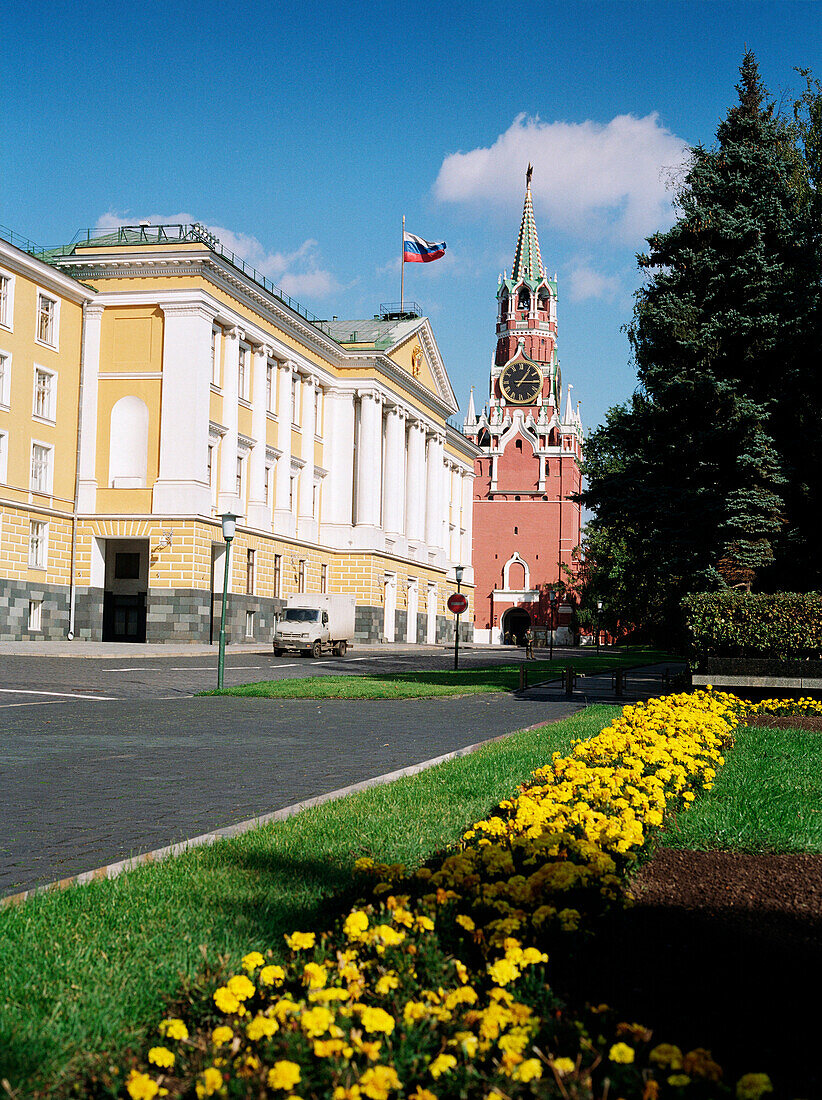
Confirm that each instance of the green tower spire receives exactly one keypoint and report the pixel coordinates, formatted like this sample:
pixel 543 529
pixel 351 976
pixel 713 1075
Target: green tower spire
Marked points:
pixel 527 259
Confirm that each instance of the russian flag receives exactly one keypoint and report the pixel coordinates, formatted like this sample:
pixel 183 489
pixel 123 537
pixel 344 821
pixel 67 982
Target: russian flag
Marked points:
pixel 417 251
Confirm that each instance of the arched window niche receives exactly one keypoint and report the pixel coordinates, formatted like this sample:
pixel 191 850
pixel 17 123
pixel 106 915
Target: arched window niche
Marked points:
pixel 128 444
pixel 516 576
pixel 523 298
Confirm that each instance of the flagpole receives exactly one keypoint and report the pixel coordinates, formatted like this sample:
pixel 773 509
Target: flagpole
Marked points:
pixel 402 266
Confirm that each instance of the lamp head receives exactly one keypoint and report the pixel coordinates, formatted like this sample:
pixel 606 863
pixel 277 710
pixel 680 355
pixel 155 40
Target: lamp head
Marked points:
pixel 229 522
pixel 458 573
pixel 599 605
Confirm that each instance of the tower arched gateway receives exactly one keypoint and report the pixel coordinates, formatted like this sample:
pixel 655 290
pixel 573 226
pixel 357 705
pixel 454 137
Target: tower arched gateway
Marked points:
pixel 526 526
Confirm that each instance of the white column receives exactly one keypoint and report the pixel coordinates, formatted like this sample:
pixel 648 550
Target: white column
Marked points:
pixel 90 367
pixel 369 471
pixel 283 522
pixel 182 483
pixel 227 499
pixel 467 546
pixel 412 604
pixel 434 497
pixel 455 498
pixel 306 523
pixel 338 451
pixel 415 487
pixel 259 515
pixel 394 493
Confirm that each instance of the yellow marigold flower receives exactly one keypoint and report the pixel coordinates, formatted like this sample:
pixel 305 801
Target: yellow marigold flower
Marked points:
pixel 529 1070
pixel 316 1021
pixel 424 923
pixel 314 975
pixel 283 1075
pixel 173 1029
pixel 376 1019
pixel 301 941
pixel 386 983
pixel 666 1056
pixel 621 1053
pixel 564 1066
pixel 462 971
pixel 161 1056
pixel 140 1086
pixel 385 934
pixel 261 1026
pixel 326 1048
pixel 420 1093
pixel 343 1093
pixel 241 987
pixel 403 917
pixel 272 975
pixel 252 960
pixel 443 1063
pixel 221 1035
pixel 225 1000
pixel 467 1042
pixel 210 1081
pixel 531 956
pixel 700 1063
pixel 679 1080
pixel 355 924
pixel 414 1011
pixel 465 922
pixel 378 1081
pixel 503 971
pixel 753 1086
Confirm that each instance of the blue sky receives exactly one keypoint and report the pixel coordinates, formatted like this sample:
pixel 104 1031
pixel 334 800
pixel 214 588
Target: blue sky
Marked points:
pixel 303 132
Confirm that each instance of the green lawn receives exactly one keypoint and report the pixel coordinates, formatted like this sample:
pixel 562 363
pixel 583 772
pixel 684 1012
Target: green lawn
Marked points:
pixel 767 797
pixel 85 972
pixel 472 681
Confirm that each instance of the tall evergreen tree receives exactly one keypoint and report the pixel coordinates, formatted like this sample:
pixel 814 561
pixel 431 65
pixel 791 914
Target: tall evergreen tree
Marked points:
pixel 697 480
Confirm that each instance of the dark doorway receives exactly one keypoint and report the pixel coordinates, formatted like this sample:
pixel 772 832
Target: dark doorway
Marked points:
pixel 126 590
pixel 515 622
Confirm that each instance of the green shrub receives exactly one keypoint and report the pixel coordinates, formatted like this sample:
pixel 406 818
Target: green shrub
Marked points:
pixel 785 626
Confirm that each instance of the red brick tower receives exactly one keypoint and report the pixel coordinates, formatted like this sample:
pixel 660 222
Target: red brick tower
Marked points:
pixel 526 527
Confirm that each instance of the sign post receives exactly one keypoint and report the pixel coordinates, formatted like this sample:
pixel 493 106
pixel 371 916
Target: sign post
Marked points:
pixel 457 603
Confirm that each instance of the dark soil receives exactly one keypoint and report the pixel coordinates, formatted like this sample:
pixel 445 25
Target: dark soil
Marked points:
pixel 721 950
pixel 811 722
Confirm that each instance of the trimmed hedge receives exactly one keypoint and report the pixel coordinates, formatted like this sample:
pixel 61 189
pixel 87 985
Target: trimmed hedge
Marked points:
pixel 784 626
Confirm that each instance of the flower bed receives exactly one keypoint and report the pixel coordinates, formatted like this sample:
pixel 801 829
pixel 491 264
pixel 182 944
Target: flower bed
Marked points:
pixel 438 986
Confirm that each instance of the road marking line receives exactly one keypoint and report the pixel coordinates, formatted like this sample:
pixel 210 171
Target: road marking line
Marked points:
pixel 183 668
pixel 44 703
pixel 64 694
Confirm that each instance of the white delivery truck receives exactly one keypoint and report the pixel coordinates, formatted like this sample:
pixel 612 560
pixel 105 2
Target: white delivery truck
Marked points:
pixel 315 623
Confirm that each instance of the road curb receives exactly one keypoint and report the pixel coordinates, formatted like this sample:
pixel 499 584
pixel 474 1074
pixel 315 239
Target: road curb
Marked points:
pixel 113 870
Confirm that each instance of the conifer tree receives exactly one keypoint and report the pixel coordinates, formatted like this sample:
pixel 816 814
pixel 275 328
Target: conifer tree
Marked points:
pixel 699 479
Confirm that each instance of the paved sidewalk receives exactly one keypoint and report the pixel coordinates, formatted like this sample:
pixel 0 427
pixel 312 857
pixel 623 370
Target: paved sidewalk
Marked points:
pixel 79 790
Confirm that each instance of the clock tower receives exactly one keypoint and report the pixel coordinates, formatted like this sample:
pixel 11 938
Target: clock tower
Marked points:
pixel 526 526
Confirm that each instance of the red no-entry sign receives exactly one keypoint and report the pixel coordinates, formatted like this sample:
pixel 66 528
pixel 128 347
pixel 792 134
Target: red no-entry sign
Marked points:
pixel 457 603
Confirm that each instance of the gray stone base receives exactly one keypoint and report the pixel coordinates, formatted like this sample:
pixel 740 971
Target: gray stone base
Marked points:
pixel 14 611
pixel 400 621
pixel 368 624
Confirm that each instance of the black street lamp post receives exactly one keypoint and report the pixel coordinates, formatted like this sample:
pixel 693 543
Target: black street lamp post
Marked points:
pixel 599 616
pixel 458 572
pixel 229 522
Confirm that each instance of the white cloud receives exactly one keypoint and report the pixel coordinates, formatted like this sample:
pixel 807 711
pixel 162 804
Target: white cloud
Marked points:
pixel 592 180
pixel 296 272
pixel 585 282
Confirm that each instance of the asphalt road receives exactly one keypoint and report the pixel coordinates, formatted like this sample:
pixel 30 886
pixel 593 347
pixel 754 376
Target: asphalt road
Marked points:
pixel 111 758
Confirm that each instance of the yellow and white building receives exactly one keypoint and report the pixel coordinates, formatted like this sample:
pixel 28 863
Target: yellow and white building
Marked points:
pixel 184 385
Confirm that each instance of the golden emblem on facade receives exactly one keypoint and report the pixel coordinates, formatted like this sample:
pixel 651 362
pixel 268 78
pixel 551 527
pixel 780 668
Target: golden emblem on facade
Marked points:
pixel 416 361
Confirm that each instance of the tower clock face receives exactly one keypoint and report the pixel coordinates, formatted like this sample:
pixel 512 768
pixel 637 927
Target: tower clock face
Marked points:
pixel 520 383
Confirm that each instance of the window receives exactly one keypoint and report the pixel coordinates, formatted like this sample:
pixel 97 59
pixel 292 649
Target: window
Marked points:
pixel 278 575
pixel 46 320
pixel 41 468
pixel 6 299
pixel 323 578
pixel 35 614
pixel 301 575
pixel 45 385
pixel 270 386
pixel 5 378
pixel 242 372
pixel 239 482
pixel 249 573
pixel 127 566
pixel 249 624
pixel 38 535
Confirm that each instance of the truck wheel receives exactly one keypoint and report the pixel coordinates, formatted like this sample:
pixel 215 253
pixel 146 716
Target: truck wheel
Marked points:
pixel 340 649
pixel 316 649
pixel 279 652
